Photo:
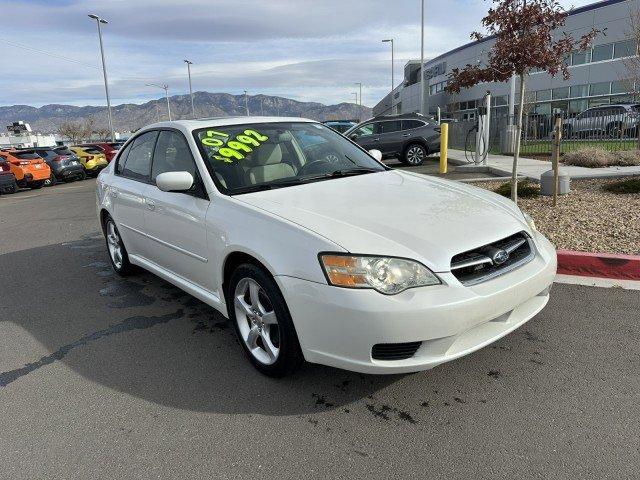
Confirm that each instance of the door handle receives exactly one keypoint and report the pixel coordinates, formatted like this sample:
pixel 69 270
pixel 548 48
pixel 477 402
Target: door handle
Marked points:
pixel 376 139
pixel 150 204
pixel 406 134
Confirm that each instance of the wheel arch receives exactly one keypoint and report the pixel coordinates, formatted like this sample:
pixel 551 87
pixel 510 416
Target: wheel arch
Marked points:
pixel 234 259
pixel 414 141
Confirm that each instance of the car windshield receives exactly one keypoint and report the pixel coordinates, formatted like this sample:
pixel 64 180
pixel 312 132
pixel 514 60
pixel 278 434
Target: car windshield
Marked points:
pixel 263 156
pixel 92 150
pixel 26 155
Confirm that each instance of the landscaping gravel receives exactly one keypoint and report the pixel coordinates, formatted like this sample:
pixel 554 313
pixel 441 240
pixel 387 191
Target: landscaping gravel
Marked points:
pixel 588 219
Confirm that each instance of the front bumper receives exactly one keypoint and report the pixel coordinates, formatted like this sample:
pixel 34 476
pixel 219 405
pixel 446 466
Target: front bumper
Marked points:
pixel 339 327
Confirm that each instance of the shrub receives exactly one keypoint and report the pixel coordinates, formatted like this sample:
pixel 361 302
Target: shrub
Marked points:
pixel 631 185
pixel 627 158
pixel 593 157
pixel 590 157
pixel 526 189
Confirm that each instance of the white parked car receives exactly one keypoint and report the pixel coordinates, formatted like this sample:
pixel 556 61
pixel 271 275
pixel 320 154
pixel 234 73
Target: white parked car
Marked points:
pixel 315 250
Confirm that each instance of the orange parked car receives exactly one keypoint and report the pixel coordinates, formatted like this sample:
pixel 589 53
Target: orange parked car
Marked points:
pixel 29 168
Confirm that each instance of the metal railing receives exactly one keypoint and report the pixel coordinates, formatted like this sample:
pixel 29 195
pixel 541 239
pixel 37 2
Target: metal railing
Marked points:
pixel 610 128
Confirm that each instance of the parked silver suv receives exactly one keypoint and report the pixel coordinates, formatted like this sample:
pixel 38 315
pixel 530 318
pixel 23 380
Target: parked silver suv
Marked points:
pixel 614 121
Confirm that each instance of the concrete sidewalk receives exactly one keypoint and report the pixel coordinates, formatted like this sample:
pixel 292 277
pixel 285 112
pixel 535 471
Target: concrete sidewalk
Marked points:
pixel 502 165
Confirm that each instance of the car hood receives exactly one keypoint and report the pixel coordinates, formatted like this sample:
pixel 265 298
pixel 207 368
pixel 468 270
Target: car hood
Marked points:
pixel 396 213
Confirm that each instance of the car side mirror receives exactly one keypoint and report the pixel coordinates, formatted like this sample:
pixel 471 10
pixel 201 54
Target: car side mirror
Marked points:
pixel 353 136
pixel 377 154
pixel 174 181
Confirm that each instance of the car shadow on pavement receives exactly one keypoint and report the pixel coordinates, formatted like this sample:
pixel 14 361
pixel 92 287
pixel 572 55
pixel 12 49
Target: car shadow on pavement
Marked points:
pixel 144 337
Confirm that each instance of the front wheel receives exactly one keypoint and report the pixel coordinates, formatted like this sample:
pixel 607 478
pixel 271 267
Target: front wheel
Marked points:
pixel 117 251
pixel 262 322
pixel 415 155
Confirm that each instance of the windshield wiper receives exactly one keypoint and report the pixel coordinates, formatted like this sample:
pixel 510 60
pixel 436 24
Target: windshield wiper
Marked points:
pixel 287 182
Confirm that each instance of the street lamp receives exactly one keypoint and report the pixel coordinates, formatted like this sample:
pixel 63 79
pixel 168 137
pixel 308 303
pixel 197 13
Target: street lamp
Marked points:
pixel 422 91
pixel 359 84
pixel 246 103
pixel 100 21
pixel 165 87
pixel 193 110
pixel 390 40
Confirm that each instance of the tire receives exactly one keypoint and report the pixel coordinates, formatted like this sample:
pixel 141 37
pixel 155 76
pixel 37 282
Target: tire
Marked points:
pixel 414 155
pixel 118 255
pixel 262 322
pixel 51 181
pixel 614 130
pixel 567 131
pixel 37 185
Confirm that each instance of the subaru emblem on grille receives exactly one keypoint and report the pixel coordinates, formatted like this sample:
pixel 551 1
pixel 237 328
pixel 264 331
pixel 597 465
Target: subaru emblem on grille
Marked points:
pixel 500 257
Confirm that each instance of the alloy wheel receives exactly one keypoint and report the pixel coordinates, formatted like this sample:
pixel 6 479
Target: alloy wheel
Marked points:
pixel 257 321
pixel 415 155
pixel 114 244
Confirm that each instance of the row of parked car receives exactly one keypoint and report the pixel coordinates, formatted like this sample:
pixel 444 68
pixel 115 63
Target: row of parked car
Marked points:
pixel 38 167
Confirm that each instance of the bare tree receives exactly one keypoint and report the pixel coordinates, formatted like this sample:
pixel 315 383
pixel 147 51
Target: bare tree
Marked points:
pixel 71 130
pixel 524 41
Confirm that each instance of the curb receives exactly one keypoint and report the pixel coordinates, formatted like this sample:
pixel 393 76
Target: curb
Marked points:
pixel 602 265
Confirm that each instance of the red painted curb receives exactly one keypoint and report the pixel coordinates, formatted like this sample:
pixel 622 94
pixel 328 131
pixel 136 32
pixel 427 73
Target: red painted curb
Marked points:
pixel 603 265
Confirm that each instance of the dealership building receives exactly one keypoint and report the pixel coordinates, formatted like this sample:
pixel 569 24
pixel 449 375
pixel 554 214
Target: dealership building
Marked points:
pixel 599 76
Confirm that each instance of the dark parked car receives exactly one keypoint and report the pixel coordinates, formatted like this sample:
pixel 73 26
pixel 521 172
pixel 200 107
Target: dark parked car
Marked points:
pixel 64 164
pixel 8 182
pixel 410 138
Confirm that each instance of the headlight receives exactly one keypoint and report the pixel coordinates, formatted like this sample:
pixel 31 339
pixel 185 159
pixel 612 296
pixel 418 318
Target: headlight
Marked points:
pixel 530 222
pixel 387 275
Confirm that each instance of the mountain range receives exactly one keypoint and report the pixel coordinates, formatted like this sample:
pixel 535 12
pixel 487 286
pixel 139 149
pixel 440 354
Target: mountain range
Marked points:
pixel 130 116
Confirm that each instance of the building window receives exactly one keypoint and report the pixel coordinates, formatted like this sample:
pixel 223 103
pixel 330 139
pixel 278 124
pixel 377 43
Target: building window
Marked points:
pixel 577 91
pixel 602 52
pixel 621 86
pixel 626 48
pixel 543 95
pixel 500 101
pixel 580 58
pixel 561 92
pixel 578 106
pixel 603 88
pixel 596 102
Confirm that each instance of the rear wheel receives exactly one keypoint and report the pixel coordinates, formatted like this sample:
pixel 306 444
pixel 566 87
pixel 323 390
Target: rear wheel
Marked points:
pixel 51 181
pixel 415 154
pixel 262 322
pixel 117 251
pixel 614 130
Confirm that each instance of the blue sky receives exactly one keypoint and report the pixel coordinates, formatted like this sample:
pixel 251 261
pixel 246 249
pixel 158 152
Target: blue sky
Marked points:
pixel 310 50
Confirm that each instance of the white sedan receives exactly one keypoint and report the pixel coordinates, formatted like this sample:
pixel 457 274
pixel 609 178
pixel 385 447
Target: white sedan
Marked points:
pixel 315 250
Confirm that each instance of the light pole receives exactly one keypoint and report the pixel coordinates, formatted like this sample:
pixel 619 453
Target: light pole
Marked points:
pixel 390 40
pixel 193 110
pixel 422 92
pixel 359 84
pixel 165 87
pixel 246 103
pixel 104 71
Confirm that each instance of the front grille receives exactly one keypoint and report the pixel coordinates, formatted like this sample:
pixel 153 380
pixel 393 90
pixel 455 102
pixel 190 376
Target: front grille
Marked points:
pixel 487 262
pixel 394 351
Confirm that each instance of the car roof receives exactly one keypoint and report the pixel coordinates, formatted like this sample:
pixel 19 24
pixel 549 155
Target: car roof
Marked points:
pixel 221 122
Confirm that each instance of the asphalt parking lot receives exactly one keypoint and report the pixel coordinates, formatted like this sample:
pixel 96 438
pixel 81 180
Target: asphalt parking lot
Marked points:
pixel 102 377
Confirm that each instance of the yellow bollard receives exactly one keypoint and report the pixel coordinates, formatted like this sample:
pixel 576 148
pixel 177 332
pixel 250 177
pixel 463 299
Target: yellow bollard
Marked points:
pixel 444 146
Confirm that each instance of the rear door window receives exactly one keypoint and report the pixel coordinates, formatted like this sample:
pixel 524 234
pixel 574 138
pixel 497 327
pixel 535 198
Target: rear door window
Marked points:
pixel 411 124
pixel 138 163
pixel 389 127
